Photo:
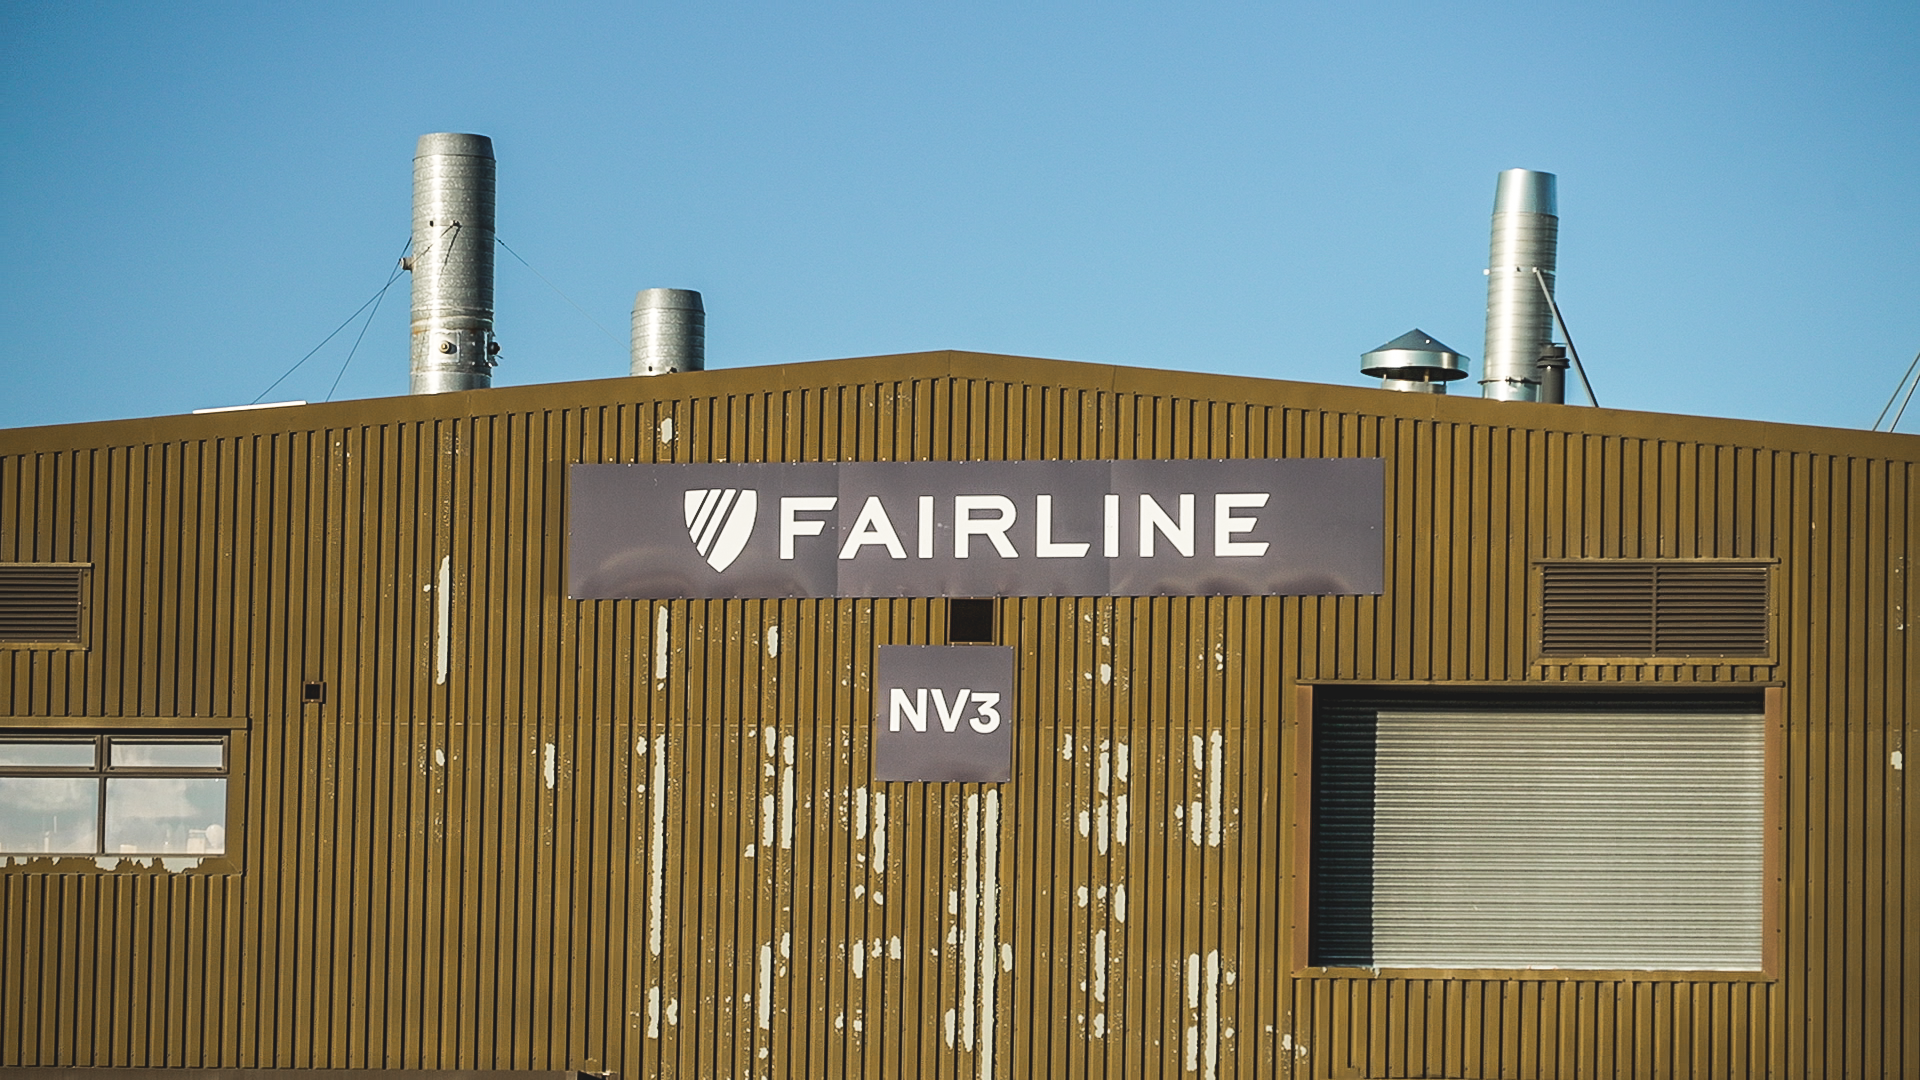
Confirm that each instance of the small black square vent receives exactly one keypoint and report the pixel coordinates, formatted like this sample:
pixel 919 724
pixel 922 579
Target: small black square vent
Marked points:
pixel 970 622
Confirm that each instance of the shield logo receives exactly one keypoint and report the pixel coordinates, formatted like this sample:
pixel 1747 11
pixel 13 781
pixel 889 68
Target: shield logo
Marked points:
pixel 720 521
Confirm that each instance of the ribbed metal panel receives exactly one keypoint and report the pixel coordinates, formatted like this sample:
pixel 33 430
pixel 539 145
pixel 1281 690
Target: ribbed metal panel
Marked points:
pixel 464 858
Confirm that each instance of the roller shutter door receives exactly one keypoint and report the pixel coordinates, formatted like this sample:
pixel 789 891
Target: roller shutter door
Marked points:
pixel 1628 836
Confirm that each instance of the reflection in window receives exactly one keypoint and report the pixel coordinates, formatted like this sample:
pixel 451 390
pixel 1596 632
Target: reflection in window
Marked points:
pixel 49 815
pixel 109 795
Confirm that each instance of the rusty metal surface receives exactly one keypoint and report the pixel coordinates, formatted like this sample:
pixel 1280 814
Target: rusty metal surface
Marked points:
pixel 524 832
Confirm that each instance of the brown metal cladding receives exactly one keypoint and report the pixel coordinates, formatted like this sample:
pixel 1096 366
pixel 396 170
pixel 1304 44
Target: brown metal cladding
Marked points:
pixel 641 837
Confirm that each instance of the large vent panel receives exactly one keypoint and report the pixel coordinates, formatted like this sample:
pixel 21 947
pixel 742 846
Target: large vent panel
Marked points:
pixel 41 603
pixel 1590 608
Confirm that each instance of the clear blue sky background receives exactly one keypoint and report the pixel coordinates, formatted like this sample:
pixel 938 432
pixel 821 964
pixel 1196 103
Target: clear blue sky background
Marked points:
pixel 193 195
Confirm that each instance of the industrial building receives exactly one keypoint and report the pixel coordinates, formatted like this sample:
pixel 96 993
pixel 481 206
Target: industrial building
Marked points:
pixel 1345 732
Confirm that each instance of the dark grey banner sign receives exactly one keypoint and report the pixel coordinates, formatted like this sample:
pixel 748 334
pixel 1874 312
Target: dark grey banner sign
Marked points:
pixel 1250 527
pixel 943 712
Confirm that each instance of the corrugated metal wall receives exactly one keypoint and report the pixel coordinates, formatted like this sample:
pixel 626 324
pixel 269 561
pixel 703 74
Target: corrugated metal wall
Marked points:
pixel 527 832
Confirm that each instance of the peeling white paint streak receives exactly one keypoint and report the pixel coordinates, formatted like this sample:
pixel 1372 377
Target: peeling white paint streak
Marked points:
pixel 1899 762
pixel 547 771
pixel 879 837
pixel 657 847
pixel 764 1002
pixel 969 917
pixel 773 641
pixel 1100 967
pixel 766 821
pixel 860 814
pixel 1210 1020
pixel 666 429
pixel 442 618
pixel 990 931
pixel 653 1012
pixel 1215 760
pixel 660 644
pixel 786 794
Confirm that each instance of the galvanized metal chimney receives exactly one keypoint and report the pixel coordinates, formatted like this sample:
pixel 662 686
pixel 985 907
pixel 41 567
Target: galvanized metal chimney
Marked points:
pixel 1526 232
pixel 669 332
pixel 452 264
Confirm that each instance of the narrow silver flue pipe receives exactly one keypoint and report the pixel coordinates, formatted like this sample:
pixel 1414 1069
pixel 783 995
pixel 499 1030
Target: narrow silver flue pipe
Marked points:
pixel 452 263
pixel 1526 232
pixel 669 332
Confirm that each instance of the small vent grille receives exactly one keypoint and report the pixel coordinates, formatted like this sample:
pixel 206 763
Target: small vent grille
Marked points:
pixel 1678 609
pixel 40 603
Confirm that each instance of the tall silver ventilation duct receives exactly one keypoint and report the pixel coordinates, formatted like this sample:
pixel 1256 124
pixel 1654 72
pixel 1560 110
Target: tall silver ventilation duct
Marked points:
pixel 1526 232
pixel 669 332
pixel 452 263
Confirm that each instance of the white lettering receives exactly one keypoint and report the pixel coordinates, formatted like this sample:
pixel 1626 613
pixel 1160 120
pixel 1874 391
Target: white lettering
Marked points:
pixel 1113 526
pixel 986 703
pixel 873 527
pixel 926 526
pixel 1044 545
pixel 791 526
pixel 916 713
pixel 950 718
pixel 1225 524
pixel 994 529
pixel 1179 534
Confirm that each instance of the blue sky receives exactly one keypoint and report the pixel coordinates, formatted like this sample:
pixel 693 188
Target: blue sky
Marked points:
pixel 193 195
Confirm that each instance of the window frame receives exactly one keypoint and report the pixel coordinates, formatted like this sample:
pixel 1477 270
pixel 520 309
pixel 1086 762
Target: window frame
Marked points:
pixel 230 732
pixel 1773 840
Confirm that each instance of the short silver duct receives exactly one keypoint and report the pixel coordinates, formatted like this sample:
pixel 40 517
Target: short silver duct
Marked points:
pixel 452 264
pixel 669 332
pixel 1520 267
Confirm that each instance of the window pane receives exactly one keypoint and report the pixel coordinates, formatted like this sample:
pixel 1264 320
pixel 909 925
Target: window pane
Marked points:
pixel 173 754
pixel 166 816
pixel 47 752
pixel 48 815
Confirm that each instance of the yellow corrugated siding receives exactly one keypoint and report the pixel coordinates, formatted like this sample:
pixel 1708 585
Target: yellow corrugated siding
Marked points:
pixel 690 892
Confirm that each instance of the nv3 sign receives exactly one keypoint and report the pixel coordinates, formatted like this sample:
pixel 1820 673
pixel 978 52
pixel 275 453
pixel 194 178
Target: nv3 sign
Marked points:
pixel 943 712
pixel 1252 527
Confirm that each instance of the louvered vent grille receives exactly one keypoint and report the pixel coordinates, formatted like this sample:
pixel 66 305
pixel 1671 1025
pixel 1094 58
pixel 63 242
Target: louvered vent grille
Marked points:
pixel 1676 609
pixel 40 603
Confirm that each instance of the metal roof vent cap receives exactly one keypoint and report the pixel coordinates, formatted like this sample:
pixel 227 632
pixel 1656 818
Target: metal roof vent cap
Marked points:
pixel 1414 363
pixel 669 332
